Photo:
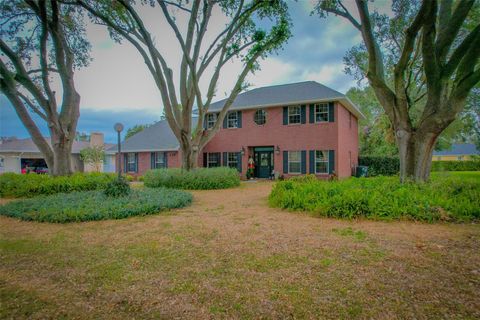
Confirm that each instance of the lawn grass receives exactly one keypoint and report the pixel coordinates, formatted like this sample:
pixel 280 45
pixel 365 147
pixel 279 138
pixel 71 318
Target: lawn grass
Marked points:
pixel 449 196
pixel 224 259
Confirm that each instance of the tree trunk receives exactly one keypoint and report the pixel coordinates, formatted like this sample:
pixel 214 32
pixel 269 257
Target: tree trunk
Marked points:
pixel 189 156
pixel 62 153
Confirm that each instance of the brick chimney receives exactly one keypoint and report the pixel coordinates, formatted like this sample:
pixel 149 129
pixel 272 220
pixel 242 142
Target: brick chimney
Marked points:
pixel 96 139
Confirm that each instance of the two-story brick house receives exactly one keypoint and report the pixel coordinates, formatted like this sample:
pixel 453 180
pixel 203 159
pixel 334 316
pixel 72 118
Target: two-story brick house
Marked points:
pixel 289 129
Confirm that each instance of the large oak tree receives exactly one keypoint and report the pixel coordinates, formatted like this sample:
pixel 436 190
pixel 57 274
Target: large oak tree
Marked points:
pixel 203 54
pixel 40 41
pixel 422 64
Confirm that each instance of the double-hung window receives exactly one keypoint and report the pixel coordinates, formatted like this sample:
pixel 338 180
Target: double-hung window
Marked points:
pixel 131 162
pixel 294 115
pixel 232 120
pixel 211 120
pixel 321 161
pixel 321 112
pixel 294 162
pixel 160 160
pixel 232 160
pixel 213 160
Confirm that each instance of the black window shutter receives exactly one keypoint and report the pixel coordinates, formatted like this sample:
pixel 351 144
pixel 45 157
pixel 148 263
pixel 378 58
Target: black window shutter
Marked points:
pixel 239 113
pixel 136 161
pixel 125 157
pixel 303 114
pixel 225 155
pixel 312 113
pixel 205 160
pixel 331 161
pixel 152 160
pixel 165 159
pixel 312 161
pixel 304 161
pixel 285 115
pixel 331 112
pixel 225 121
pixel 285 161
pixel 239 162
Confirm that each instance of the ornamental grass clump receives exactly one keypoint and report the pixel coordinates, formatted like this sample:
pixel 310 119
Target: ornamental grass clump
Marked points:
pixel 449 197
pixel 195 179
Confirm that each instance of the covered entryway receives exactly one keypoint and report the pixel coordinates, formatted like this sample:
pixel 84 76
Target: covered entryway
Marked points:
pixel 263 157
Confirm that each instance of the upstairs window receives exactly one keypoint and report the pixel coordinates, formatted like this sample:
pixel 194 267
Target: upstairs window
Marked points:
pixel 260 117
pixel 213 160
pixel 294 162
pixel 232 120
pixel 321 161
pixel 211 120
pixel 321 112
pixel 294 115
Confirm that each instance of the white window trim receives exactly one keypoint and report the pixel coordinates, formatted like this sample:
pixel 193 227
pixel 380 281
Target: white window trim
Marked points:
pixel 210 122
pixel 159 164
pixel 299 114
pixel 236 120
pixel 131 161
pixel 209 161
pixel 315 112
pixel 255 117
pixel 228 159
pixel 317 160
pixel 299 162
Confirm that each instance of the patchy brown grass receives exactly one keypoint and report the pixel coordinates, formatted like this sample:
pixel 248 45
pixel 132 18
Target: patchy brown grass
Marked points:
pixel 230 256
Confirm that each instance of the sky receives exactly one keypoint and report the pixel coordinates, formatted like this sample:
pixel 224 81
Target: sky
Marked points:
pixel 117 87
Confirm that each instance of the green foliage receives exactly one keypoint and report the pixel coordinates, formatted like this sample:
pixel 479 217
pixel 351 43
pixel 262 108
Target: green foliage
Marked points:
pixel 117 188
pixel 136 129
pixel 29 185
pixel 380 166
pixel 196 179
pixel 95 205
pixel 451 197
pixel 472 165
pixel 93 155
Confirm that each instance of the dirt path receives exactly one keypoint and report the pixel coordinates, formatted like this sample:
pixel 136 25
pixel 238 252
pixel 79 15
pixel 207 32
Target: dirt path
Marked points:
pixel 231 256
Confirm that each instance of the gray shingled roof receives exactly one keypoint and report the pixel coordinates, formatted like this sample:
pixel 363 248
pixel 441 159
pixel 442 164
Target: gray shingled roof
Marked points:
pixel 27 145
pixel 292 93
pixel 157 137
pixel 459 149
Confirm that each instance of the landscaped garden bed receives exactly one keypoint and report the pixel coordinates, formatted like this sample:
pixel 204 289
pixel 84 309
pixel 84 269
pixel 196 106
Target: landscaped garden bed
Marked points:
pixel 95 205
pixel 449 196
pixel 30 185
pixel 196 179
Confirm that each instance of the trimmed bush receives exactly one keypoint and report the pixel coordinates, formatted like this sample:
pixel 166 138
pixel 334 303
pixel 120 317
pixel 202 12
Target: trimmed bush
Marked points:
pixel 196 179
pixel 95 205
pixel 470 165
pixel 451 197
pixel 29 185
pixel 117 188
pixel 380 166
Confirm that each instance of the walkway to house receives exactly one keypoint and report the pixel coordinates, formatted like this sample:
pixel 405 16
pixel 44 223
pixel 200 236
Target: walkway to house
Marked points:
pixel 230 256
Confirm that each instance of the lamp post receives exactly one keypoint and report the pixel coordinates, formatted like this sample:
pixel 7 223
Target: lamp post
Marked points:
pixel 119 127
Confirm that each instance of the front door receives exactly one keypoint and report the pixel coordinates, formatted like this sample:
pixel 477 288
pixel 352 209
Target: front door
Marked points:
pixel 263 164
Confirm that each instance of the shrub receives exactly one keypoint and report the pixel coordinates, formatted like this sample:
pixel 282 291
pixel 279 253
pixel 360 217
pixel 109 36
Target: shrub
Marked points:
pixel 29 185
pixel 380 166
pixel 471 165
pixel 196 179
pixel 95 205
pixel 453 197
pixel 117 188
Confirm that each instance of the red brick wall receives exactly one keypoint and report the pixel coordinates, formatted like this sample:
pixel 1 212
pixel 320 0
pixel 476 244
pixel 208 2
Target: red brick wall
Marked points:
pixel 144 163
pixel 347 142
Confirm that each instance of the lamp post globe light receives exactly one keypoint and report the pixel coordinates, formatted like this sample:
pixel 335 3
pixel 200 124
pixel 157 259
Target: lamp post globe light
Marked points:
pixel 118 127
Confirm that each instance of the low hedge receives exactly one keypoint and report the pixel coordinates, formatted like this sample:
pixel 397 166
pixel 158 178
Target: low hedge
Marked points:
pixel 29 185
pixel 388 166
pixel 196 179
pixel 95 205
pixel 469 165
pixel 447 197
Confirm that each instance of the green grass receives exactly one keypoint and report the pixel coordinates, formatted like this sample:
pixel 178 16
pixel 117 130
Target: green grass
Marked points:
pixel 451 196
pixel 95 205
pixel 197 179
pixel 30 185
